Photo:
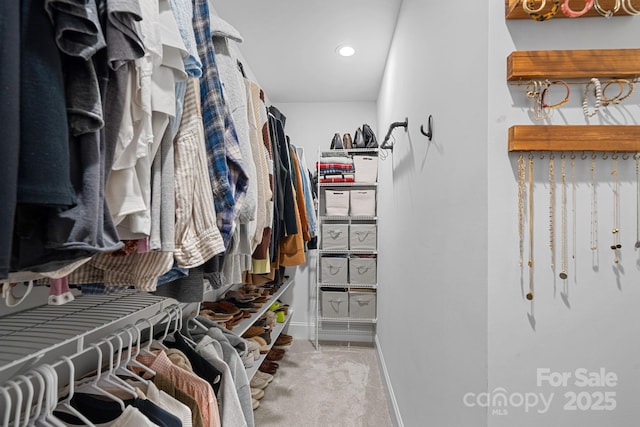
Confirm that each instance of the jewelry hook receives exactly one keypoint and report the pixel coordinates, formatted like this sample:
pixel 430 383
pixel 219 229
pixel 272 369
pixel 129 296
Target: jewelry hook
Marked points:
pixel 584 156
pixel 625 156
pixel 429 132
pixel 605 156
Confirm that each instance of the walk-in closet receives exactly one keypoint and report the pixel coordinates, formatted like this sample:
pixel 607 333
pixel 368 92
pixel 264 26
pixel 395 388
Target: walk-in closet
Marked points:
pixel 224 213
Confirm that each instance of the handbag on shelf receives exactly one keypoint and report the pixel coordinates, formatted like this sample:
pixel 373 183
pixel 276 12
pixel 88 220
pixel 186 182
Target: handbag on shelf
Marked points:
pixel 336 142
pixel 369 137
pixel 358 139
pixel 347 142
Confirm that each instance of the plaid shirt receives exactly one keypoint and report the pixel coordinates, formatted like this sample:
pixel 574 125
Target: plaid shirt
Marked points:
pixel 228 177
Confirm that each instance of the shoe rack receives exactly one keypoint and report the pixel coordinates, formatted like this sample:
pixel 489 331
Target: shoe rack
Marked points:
pixel 352 324
pixel 574 64
pixel 246 323
pixel 514 10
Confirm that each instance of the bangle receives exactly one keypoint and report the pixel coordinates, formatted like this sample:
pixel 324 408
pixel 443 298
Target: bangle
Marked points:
pixel 527 5
pixel 544 17
pixel 606 101
pixel 607 13
pixel 585 99
pixel 620 97
pixel 559 104
pixel 566 9
pixel 628 7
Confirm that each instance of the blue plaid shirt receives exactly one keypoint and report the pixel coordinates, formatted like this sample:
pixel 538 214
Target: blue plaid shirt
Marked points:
pixel 228 177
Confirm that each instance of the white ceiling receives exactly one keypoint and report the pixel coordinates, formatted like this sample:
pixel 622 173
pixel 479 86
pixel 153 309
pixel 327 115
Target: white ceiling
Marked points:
pixel 290 46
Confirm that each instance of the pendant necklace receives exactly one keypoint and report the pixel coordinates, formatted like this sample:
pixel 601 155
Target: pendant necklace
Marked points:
pixel 563 213
pixel 530 263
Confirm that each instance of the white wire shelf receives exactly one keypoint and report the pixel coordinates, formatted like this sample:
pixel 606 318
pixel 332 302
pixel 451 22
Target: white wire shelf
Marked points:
pixel 348 184
pixel 347 320
pixel 350 150
pixel 348 252
pixel 348 218
pixel 347 285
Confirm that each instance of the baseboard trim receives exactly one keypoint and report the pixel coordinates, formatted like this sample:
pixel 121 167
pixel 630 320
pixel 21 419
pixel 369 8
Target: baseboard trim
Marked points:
pixel 301 330
pixel 391 397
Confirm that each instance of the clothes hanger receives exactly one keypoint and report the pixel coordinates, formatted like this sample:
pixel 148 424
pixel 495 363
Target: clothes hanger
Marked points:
pixel 147 348
pixel 40 400
pixel 46 417
pixel 134 361
pixel 18 400
pixel 94 386
pixel 111 378
pixel 29 399
pixel 7 406
pixel 66 403
pixel 123 367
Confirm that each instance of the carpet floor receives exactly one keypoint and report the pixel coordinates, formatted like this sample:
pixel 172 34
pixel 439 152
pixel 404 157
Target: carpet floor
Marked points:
pixel 335 386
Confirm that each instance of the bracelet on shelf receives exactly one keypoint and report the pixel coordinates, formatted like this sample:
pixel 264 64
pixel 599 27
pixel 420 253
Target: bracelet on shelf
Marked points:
pixel 566 9
pixel 621 95
pixel 534 92
pixel 598 95
pixel 628 7
pixel 528 6
pixel 546 90
pixel 607 13
pixel 536 15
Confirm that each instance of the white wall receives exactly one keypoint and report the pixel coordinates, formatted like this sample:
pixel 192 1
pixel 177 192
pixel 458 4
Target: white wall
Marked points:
pixel 592 321
pixel 432 324
pixel 312 126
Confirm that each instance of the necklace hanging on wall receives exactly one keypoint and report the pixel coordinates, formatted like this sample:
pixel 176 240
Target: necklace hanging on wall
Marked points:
pixel 563 213
pixel 521 190
pixel 594 205
pixel 530 263
pixel 636 157
pixel 552 199
pixel 573 206
pixel 616 246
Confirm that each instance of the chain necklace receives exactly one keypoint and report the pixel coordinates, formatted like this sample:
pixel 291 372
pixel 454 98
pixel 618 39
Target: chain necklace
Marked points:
pixel 616 246
pixel 521 190
pixel 530 263
pixel 563 213
pixel 573 205
pixel 552 199
pixel 594 205
pixel 637 159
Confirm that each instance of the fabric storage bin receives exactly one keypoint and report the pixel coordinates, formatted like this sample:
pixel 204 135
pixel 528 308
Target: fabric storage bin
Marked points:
pixel 366 168
pixel 335 237
pixel 335 302
pixel 363 237
pixel 362 271
pixel 333 269
pixel 363 203
pixel 336 202
pixel 362 303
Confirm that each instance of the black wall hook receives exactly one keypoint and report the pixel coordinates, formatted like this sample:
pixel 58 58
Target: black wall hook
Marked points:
pixel 429 132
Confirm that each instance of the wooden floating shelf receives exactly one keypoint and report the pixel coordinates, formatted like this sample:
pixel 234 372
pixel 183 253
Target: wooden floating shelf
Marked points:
pixel 612 138
pixel 514 10
pixel 571 64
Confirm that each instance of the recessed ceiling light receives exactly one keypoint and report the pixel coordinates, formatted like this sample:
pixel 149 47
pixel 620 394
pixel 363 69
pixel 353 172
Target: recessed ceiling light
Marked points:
pixel 345 50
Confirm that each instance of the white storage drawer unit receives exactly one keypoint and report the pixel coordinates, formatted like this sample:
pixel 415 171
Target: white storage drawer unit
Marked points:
pixel 333 269
pixel 335 237
pixel 363 237
pixel 362 303
pixel 335 302
pixel 362 271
